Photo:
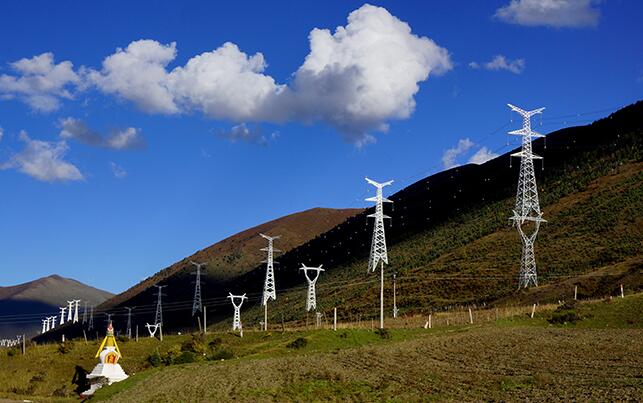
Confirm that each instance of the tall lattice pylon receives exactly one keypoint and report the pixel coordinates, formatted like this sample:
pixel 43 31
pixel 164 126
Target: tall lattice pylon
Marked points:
pixel 269 289
pixel 527 208
pixel 85 313
pixel 236 321
pixel 44 327
pixel 70 309
pixel 196 304
pixel 62 314
pixel 378 246
pixel 158 318
pixel 90 326
pixel 76 302
pixel 311 300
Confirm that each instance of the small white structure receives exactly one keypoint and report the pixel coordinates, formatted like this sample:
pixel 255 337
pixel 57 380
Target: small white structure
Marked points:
pixel 236 322
pixel 311 300
pixel 108 369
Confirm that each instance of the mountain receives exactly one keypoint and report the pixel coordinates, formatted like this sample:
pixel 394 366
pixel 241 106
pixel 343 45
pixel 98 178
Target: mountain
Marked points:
pixel 451 242
pixel 23 306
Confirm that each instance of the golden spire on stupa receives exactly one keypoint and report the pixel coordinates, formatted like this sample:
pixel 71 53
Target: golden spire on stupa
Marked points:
pixel 109 341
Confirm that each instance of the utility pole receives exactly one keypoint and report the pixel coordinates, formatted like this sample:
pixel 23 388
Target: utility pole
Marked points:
pixel 527 207
pixel 269 289
pixel 394 297
pixel 311 301
pixel 378 245
pixel 76 302
pixel 44 321
pixel 129 322
pixel 62 315
pixel 158 319
pixel 236 322
pixel 196 304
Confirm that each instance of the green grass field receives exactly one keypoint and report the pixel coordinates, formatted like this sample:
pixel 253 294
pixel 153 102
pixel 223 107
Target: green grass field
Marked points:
pixel 585 351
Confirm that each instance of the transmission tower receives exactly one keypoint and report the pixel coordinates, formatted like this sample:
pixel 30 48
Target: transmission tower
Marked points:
pixel 378 246
pixel 269 290
pixel 62 314
pixel 129 322
pixel 85 313
pixel 91 319
pixel 52 323
pixel 196 305
pixel 76 302
pixel 311 302
pixel 159 309
pixel 236 322
pixel 44 327
pixel 527 205
pixel 70 309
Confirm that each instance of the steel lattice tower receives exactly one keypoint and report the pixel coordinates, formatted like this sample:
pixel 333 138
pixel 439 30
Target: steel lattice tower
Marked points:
pixel 378 246
pixel 85 313
pixel 62 314
pixel 527 207
pixel 91 319
pixel 70 315
pixel 236 322
pixel 52 325
pixel 311 300
pixel 196 304
pixel 158 319
pixel 269 289
pixel 76 302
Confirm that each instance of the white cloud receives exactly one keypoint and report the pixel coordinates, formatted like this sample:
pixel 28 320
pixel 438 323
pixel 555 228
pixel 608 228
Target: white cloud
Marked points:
pixel 450 155
pixel 474 65
pixel 500 62
pixel 118 171
pixel 242 132
pixel 137 73
pixel 39 82
pixel 554 13
pixel 355 79
pixel 481 156
pixel 44 161
pixel 123 139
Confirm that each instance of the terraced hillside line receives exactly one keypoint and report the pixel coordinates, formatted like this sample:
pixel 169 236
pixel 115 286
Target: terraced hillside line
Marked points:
pixel 478 363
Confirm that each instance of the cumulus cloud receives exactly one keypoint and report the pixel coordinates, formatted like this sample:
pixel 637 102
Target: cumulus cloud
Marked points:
pixel 500 62
pixel 122 139
pixel 43 160
pixel 39 82
pixel 242 132
pixel 450 155
pixel 118 171
pixel 356 79
pixel 482 155
pixel 553 13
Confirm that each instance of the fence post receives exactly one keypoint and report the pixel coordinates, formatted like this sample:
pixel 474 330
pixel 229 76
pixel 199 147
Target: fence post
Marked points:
pixel 533 310
pixel 470 316
pixel 575 292
pixel 430 324
pixel 622 293
pixel 335 319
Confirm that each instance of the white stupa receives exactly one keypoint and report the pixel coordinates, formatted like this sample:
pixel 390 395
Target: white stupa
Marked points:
pixel 108 369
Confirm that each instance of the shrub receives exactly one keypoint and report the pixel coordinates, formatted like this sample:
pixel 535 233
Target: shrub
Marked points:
pixel 215 343
pixel 172 354
pixel 383 333
pixel 185 358
pixel 563 317
pixel 196 344
pixel 155 359
pixel 298 343
pixel 221 354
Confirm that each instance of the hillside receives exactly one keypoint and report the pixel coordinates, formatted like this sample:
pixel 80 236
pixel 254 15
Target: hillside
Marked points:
pixel 233 256
pixel 451 242
pixel 33 300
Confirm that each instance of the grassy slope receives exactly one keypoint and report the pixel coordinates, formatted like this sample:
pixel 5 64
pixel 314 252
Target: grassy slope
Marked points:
pixel 595 229
pixel 598 357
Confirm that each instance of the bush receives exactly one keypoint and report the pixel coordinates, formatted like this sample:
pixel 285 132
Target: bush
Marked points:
pixel 172 354
pixel 66 347
pixel 383 333
pixel 155 359
pixel 298 343
pixel 215 343
pixel 185 358
pixel 564 317
pixel 221 354
pixel 196 344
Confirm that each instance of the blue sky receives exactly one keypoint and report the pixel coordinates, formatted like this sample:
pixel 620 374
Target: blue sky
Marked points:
pixel 116 163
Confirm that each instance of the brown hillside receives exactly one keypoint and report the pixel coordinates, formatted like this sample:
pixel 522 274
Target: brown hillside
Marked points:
pixel 240 253
pixel 53 290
